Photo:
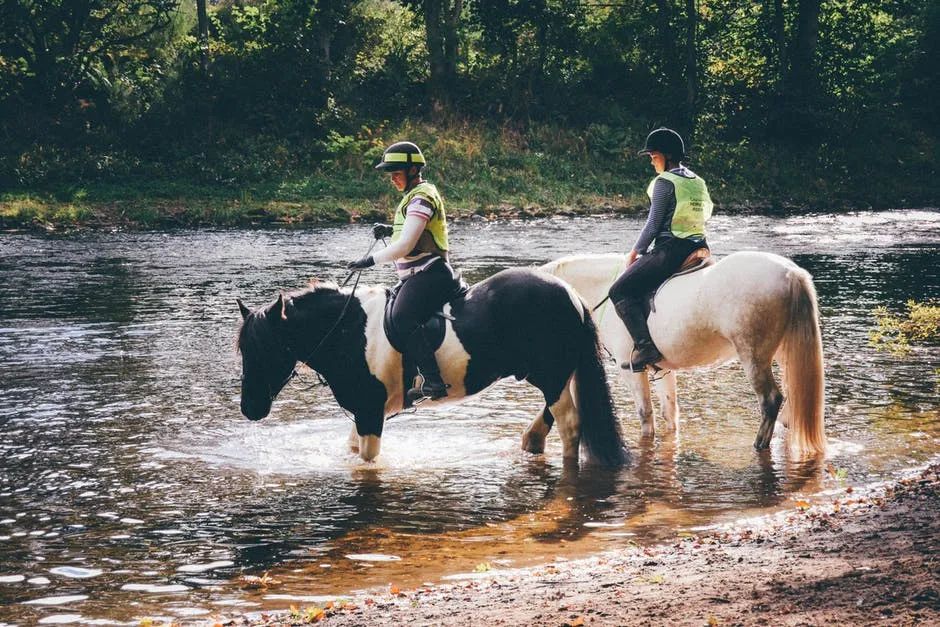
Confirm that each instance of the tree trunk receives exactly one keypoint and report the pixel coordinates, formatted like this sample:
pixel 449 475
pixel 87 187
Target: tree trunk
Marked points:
pixel 441 19
pixel 203 34
pixel 780 41
pixel 691 66
pixel 667 40
pixel 451 20
pixel 434 30
pixel 802 53
pixel 326 42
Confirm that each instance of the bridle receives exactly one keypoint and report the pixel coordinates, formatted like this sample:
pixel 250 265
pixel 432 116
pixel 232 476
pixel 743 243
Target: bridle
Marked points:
pixel 291 353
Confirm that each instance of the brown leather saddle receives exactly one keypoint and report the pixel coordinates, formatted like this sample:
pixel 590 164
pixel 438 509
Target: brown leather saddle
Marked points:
pixel 699 259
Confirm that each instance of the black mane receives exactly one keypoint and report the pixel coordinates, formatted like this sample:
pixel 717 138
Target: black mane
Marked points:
pixel 320 293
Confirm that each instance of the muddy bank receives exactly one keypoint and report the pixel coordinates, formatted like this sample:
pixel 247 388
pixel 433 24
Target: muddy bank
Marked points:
pixel 858 557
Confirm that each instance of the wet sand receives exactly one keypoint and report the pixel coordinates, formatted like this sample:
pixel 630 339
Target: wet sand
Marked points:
pixel 860 557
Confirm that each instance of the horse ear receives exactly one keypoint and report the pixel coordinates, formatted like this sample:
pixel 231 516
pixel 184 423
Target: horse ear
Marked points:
pixel 245 311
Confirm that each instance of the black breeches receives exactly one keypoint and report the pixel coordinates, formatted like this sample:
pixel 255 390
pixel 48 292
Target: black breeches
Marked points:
pixel 649 271
pixel 422 295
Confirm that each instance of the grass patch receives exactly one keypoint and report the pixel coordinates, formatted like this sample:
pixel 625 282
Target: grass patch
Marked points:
pixel 480 169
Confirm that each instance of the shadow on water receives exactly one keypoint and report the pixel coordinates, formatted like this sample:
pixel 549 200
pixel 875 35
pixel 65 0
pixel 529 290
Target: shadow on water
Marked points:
pixel 127 474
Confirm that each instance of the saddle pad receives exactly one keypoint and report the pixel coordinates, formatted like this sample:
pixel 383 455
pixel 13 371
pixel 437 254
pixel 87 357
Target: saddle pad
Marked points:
pixel 435 326
pixel 699 259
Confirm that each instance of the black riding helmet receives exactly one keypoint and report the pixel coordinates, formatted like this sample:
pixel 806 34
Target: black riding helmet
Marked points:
pixel 401 156
pixel 666 141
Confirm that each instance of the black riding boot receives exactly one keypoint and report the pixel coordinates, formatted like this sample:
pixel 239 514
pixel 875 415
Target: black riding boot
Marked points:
pixel 645 352
pixel 433 385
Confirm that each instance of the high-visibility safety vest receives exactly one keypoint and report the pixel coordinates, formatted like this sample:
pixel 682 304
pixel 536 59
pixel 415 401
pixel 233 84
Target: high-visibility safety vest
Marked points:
pixel 434 237
pixel 693 204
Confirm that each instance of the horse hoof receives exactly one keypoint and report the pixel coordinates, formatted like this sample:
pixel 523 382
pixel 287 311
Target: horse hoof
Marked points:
pixel 532 444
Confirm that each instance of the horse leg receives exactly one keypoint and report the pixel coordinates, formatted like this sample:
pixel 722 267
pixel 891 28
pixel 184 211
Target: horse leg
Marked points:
pixel 353 440
pixel 565 410
pixel 784 416
pixel 533 440
pixel 369 447
pixel 761 376
pixel 369 430
pixel 640 386
pixel 666 391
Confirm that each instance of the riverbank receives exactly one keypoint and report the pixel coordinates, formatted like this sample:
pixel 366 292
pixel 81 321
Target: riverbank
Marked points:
pixel 44 213
pixel 481 170
pixel 864 557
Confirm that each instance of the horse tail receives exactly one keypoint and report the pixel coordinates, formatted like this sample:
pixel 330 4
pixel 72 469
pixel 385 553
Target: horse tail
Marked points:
pixel 600 428
pixel 801 360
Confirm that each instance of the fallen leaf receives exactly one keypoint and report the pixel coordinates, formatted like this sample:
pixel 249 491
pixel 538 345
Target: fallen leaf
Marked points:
pixel 314 614
pixel 802 504
pixel 576 622
pixel 393 589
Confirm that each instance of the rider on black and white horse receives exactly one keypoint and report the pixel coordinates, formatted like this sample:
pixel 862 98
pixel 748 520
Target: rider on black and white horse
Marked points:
pixel 419 251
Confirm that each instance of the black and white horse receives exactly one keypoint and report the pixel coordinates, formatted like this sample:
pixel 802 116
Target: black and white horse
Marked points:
pixel 521 322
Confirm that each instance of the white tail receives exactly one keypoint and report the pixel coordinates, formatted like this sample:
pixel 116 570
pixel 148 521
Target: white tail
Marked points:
pixel 801 359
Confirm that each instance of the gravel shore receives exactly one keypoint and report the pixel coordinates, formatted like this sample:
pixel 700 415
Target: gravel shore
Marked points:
pixel 860 557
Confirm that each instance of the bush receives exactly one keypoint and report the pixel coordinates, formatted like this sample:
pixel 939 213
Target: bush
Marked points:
pixel 921 325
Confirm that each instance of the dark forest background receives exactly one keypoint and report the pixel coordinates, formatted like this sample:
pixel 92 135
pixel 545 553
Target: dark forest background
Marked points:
pixel 782 101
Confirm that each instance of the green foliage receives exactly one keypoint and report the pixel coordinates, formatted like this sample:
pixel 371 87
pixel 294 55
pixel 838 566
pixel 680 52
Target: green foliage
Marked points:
pixel 920 324
pixel 545 100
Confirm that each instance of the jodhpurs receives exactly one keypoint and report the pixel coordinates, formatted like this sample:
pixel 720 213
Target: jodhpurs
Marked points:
pixel 422 295
pixel 649 271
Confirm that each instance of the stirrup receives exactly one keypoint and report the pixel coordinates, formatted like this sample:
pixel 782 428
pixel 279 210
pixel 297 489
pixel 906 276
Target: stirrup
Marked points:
pixel 634 365
pixel 425 391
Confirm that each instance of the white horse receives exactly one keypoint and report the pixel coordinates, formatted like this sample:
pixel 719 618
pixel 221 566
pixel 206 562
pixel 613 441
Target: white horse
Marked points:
pixel 755 306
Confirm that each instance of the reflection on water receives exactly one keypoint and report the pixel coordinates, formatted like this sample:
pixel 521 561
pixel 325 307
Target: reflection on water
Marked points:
pixel 131 486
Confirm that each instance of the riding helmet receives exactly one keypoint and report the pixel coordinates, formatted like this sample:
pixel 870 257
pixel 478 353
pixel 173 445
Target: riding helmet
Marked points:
pixel 401 156
pixel 666 141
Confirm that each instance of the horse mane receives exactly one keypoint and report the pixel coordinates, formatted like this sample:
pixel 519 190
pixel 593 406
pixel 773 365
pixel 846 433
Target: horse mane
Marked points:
pixel 314 286
pixel 557 267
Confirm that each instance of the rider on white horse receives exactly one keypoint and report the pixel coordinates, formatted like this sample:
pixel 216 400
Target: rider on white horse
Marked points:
pixel 675 227
pixel 419 252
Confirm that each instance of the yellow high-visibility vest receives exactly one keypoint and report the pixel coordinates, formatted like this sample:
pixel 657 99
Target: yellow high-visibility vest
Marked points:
pixel 693 204
pixel 436 228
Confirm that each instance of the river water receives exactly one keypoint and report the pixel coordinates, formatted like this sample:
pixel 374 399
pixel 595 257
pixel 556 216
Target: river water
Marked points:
pixel 131 486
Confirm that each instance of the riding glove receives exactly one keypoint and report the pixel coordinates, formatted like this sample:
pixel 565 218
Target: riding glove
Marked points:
pixel 362 264
pixel 380 231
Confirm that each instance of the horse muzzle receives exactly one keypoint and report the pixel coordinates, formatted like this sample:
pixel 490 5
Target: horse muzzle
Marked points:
pixel 255 411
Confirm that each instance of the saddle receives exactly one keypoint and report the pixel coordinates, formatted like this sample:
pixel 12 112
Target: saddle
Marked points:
pixel 434 330
pixel 699 258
